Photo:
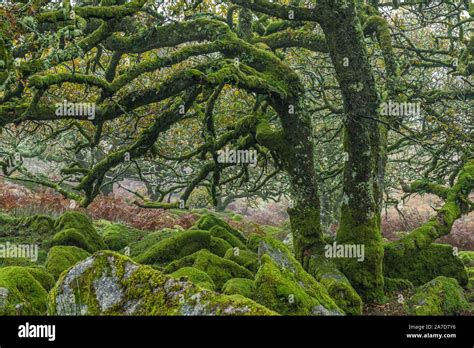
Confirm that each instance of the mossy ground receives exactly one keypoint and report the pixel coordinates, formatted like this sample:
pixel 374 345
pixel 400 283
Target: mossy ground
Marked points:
pixel 215 268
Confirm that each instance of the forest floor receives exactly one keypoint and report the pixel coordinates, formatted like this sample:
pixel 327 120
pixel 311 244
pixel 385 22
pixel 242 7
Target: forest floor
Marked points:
pixel 148 227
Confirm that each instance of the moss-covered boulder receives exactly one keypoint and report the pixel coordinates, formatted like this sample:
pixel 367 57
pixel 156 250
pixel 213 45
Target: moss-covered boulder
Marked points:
pixel 15 261
pixel 42 275
pixel 245 258
pixel 175 247
pixel 76 229
pixel 336 283
pixel 61 257
pixel 108 283
pixel 27 227
pixel 195 276
pixel 254 241
pixel 440 296
pixel 395 285
pixel 467 257
pixel 282 284
pixel 28 230
pixel 218 268
pixel 208 221
pixel 422 266
pixel 219 246
pixel 239 286
pixel 118 236
pixel 149 239
pixel 470 273
pixel 221 232
pixel 22 292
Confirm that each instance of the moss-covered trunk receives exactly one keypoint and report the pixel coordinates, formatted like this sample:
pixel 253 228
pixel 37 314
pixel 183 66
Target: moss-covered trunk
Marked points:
pixel 299 164
pixel 295 148
pixel 363 169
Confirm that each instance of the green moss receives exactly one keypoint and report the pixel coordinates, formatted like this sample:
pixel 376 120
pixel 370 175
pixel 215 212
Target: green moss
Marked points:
pixel 218 268
pixel 150 239
pixel 206 222
pixel 76 229
pixel 245 258
pixel 283 285
pixel 274 232
pixel 15 261
pixel 366 277
pixel 440 296
pixel 175 247
pixel 219 246
pixel 60 258
pixel 420 267
pixel 42 275
pixel 254 241
pixel 467 257
pixel 393 285
pixel 20 291
pixel 239 286
pixel 71 236
pixel 220 232
pixel 470 284
pixel 337 285
pixel 32 230
pixel 118 236
pixel 195 276
pixel 275 289
pixel 111 284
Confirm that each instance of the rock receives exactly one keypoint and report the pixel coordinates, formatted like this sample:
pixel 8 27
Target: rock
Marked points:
pixel 282 284
pixel 42 275
pixel 208 221
pixel 15 261
pixel 440 296
pixel 61 257
pixel 245 258
pixel 118 236
pixel 175 247
pixel 467 257
pixel 28 226
pixel 21 292
pixel 394 285
pixel 29 230
pixel 422 266
pixel 336 283
pixel 150 239
pixel 218 268
pixel 219 246
pixel 113 284
pixel 470 273
pixel 254 241
pixel 76 229
pixel 195 276
pixel 221 232
pixel 239 286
